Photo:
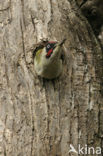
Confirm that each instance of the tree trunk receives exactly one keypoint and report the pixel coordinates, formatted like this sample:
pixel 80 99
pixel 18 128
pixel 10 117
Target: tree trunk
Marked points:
pixel 40 117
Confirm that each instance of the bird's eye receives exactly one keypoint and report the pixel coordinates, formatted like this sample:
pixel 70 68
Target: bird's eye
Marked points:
pixel 48 46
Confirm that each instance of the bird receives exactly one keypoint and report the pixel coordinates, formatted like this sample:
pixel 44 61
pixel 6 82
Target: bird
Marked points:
pixel 47 59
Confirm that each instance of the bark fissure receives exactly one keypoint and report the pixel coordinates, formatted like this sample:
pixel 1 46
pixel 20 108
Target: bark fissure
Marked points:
pixel 43 117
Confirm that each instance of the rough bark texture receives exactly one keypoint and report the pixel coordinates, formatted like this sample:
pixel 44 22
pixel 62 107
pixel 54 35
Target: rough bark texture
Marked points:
pixel 40 117
pixel 93 11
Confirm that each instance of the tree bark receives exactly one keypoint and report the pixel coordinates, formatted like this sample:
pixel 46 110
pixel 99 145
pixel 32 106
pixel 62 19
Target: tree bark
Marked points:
pixel 41 117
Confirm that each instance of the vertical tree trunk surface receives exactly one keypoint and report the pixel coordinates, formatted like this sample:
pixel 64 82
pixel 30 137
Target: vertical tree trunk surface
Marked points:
pixel 41 117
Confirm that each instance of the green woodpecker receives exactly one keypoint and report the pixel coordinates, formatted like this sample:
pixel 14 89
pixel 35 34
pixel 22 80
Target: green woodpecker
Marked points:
pixel 47 59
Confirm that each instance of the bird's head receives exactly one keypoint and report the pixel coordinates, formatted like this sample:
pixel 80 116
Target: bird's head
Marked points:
pixel 49 50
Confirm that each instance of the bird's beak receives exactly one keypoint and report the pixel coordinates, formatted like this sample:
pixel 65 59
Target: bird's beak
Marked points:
pixel 62 42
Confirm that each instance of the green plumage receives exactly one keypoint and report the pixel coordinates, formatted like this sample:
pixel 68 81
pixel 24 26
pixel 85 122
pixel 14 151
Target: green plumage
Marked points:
pixel 48 67
pixel 38 54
